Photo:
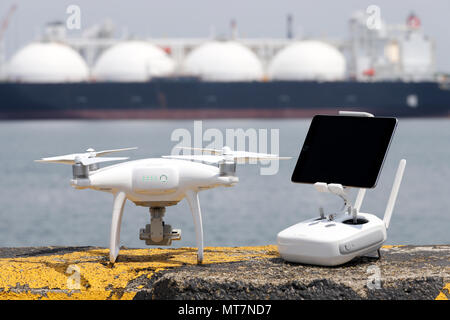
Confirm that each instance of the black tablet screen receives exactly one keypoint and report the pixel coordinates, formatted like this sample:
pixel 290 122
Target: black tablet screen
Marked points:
pixel 344 149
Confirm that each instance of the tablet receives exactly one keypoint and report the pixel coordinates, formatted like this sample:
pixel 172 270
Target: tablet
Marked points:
pixel 347 150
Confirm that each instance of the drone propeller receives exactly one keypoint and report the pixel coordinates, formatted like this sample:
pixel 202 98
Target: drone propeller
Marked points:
pixel 103 152
pixel 226 154
pixel 87 158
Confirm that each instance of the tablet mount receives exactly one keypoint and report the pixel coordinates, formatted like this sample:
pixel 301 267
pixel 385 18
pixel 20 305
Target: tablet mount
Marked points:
pixel 341 191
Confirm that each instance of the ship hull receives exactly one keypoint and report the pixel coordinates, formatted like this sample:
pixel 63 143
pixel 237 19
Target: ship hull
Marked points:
pixel 175 99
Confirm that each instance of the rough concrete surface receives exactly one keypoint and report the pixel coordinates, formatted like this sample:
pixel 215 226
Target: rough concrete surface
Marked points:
pixel 403 272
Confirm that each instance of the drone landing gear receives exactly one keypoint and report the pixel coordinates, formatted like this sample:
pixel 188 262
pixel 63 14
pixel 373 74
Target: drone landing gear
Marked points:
pixel 194 205
pixel 114 242
pixel 157 232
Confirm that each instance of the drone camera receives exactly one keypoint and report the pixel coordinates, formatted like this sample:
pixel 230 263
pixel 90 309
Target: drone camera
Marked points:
pixel 157 232
pixel 169 235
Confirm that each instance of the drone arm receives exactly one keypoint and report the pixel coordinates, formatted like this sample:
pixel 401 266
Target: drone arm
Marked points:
pixel 114 243
pixel 194 205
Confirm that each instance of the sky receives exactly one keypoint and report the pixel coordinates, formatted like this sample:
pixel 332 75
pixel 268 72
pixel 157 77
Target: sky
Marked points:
pixel 196 18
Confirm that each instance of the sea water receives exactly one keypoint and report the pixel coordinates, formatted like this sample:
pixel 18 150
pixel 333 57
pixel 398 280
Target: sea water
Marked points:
pixel 38 207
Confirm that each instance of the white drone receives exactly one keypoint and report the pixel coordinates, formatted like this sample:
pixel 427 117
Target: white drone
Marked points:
pixel 157 183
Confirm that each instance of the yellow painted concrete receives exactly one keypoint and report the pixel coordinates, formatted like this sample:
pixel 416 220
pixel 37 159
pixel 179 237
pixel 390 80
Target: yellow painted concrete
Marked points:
pixel 89 275
pixel 445 293
pixel 390 246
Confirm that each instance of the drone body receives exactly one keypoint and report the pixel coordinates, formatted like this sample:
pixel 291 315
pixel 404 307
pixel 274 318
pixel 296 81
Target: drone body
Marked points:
pixel 155 180
pixel 156 183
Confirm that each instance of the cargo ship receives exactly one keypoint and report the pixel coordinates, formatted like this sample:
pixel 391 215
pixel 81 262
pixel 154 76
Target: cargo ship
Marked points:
pixel 385 70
